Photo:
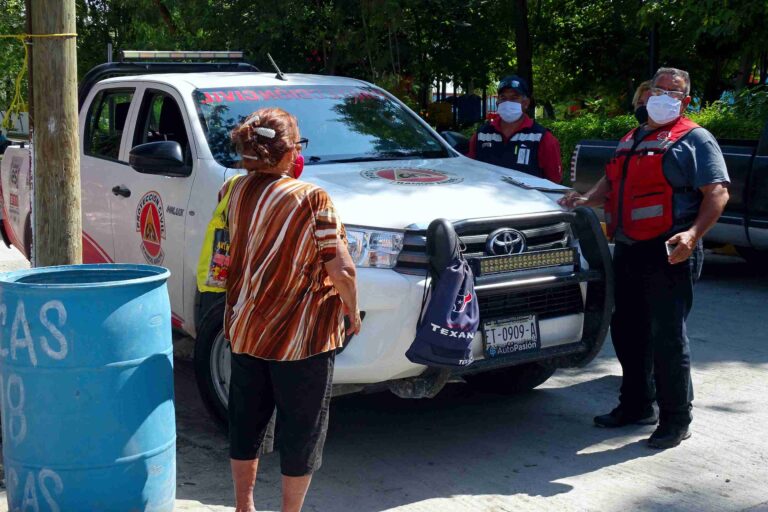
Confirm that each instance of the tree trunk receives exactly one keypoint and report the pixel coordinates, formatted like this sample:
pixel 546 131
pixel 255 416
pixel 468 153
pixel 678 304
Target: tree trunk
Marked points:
pixel 524 48
pixel 713 86
pixel 166 15
pixel 368 44
pixel 57 217
pixel 745 71
pixel 653 50
pixel 549 110
pixel 392 51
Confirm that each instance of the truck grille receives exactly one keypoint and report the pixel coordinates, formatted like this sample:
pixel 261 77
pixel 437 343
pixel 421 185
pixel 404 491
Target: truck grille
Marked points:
pixel 539 237
pixel 545 303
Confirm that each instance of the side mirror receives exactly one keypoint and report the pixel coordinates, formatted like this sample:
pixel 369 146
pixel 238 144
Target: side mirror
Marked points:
pixel 164 158
pixel 457 141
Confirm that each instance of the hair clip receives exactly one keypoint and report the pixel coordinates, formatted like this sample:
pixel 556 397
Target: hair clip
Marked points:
pixel 249 157
pixel 254 119
pixel 266 132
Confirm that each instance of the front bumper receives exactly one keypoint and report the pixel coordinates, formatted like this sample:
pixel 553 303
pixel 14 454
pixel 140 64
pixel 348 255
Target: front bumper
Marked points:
pixel 571 334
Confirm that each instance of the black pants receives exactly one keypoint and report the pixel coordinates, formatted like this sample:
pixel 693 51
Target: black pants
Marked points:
pixel 301 392
pixel 653 299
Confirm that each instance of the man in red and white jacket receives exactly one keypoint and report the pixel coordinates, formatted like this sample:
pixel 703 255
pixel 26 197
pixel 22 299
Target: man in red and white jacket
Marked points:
pixel 664 189
pixel 514 140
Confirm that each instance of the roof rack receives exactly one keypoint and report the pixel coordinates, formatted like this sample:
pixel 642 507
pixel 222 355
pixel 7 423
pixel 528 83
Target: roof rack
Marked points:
pixel 160 65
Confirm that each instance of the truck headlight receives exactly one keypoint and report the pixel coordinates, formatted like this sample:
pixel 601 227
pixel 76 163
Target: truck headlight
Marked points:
pixel 370 248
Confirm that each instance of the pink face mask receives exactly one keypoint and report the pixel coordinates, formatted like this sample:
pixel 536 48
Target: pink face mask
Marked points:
pixel 298 166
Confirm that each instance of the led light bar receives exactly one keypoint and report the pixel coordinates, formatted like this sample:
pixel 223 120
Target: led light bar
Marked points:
pixel 525 261
pixel 179 55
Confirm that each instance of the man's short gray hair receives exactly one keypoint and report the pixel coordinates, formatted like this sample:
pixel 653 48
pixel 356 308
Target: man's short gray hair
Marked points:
pixel 676 73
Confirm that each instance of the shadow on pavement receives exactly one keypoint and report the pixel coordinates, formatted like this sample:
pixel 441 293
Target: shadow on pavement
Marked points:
pixel 383 452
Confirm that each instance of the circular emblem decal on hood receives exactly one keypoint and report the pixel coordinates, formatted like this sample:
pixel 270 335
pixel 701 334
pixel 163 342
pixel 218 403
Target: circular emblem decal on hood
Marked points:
pixel 411 176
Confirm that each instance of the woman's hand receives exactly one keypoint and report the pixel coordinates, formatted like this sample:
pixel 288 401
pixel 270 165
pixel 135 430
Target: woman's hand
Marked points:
pixel 354 320
pixel 342 272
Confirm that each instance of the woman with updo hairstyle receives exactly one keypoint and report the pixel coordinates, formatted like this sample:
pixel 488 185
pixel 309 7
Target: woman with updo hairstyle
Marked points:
pixel 291 282
pixel 640 99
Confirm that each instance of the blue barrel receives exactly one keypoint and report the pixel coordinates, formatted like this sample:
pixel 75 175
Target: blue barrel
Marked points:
pixel 86 379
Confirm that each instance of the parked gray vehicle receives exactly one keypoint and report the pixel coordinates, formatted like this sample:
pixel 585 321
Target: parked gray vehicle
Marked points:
pixel 745 220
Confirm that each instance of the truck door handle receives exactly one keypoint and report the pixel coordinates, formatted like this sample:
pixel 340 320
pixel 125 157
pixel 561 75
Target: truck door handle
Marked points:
pixel 119 190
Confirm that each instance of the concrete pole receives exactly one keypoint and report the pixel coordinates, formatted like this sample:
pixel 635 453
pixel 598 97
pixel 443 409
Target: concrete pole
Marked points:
pixel 57 218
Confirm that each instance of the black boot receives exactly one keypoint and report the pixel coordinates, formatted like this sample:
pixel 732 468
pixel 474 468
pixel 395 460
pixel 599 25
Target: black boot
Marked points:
pixel 620 417
pixel 668 436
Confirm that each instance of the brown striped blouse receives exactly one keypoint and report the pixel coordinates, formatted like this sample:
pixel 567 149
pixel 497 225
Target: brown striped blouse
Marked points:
pixel 281 304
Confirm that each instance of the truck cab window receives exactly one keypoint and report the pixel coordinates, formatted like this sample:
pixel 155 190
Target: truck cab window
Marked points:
pixel 160 119
pixel 106 121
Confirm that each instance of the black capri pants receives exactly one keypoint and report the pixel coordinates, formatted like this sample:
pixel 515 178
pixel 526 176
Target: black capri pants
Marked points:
pixel 301 392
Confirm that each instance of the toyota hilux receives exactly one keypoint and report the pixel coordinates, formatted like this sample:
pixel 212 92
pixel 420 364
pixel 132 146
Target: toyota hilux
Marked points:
pixel 155 150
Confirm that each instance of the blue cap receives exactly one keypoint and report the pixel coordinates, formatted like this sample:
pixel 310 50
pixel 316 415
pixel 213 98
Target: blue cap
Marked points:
pixel 515 83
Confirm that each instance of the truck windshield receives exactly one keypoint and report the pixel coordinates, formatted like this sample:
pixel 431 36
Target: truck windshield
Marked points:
pixel 342 123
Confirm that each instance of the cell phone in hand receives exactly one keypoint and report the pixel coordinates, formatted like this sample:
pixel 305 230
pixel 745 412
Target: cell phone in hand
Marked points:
pixel 670 248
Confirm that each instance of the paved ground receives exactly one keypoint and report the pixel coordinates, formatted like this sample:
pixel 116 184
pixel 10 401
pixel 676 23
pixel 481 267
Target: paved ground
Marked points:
pixel 465 451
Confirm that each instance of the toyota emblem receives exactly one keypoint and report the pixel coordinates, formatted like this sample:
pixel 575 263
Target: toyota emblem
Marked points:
pixel 505 241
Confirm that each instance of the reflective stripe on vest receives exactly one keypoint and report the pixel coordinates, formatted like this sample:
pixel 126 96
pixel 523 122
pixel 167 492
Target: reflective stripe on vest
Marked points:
pixel 520 152
pixel 640 200
pixel 647 212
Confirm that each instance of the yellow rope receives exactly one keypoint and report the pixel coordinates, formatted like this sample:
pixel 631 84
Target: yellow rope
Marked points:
pixel 17 103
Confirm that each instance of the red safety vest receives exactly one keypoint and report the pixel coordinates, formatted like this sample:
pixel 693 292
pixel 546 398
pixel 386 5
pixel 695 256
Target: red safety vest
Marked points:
pixel 640 199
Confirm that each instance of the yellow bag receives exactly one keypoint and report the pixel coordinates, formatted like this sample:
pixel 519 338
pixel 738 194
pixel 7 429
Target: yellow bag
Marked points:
pixel 213 264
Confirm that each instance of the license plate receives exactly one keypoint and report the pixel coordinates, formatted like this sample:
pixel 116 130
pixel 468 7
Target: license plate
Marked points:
pixel 511 336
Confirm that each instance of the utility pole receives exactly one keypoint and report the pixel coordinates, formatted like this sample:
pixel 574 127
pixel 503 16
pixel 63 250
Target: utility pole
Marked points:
pixel 653 49
pixel 524 49
pixel 57 219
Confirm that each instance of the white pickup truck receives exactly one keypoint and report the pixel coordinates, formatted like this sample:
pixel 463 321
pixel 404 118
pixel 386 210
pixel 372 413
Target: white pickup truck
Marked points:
pixel 155 151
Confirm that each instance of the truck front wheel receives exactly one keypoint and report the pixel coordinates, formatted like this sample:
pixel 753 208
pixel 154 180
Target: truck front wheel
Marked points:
pixel 212 363
pixel 511 380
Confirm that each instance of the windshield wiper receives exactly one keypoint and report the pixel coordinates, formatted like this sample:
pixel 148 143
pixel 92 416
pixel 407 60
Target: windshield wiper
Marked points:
pixel 389 155
pixel 320 160
pixel 432 153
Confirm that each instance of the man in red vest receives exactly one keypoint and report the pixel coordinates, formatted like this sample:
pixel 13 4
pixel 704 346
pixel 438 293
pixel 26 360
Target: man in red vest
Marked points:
pixel 665 187
pixel 514 140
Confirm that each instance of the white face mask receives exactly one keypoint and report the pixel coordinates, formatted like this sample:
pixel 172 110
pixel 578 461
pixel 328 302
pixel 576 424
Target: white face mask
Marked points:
pixel 663 109
pixel 510 111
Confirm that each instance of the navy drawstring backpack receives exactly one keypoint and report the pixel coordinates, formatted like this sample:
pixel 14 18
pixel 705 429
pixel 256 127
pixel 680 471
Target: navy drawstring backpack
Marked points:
pixel 449 323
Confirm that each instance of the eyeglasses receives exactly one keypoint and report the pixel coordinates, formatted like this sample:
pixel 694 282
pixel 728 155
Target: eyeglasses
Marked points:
pixel 303 142
pixel 658 91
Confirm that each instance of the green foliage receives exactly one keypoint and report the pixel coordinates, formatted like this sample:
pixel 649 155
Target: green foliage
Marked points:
pixel 11 50
pixel 711 39
pixel 587 49
pixel 744 119
pixel 587 126
pixel 594 52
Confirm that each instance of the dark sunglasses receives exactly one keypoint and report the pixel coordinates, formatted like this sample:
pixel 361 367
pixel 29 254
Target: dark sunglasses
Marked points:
pixel 303 142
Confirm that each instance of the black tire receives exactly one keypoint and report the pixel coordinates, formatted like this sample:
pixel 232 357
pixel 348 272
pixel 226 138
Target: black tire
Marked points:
pixel 213 389
pixel 511 380
pixel 753 256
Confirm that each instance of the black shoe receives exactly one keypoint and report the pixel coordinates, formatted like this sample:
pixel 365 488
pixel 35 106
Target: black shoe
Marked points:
pixel 619 417
pixel 668 436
